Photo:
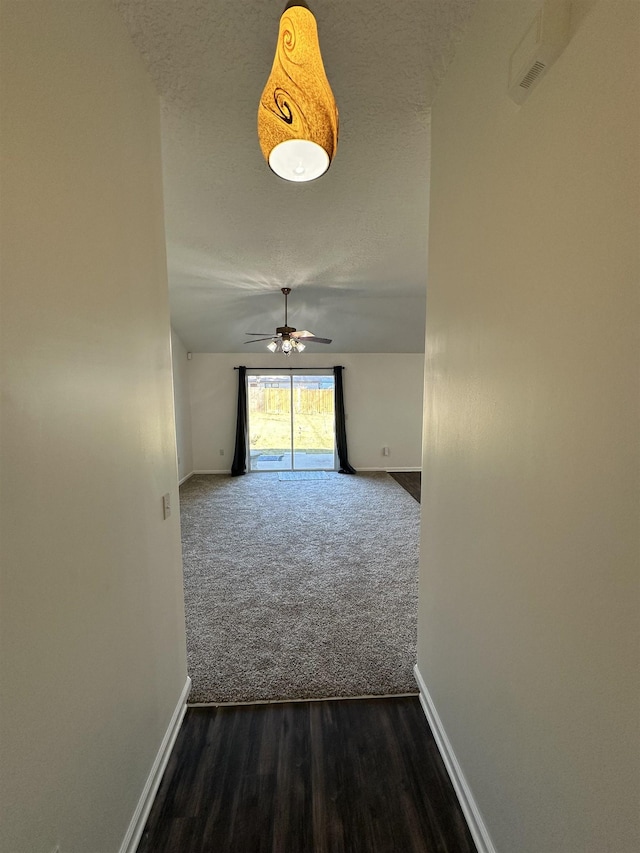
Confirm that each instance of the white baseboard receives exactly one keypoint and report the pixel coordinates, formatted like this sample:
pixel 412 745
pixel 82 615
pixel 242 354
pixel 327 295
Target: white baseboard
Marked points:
pixel 212 471
pixel 139 819
pixel 184 479
pixel 464 793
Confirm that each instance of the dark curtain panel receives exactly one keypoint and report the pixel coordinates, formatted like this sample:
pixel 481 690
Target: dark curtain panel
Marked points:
pixel 341 431
pixel 240 456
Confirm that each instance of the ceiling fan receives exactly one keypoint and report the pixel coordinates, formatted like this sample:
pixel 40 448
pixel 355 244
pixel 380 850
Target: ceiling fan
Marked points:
pixel 287 339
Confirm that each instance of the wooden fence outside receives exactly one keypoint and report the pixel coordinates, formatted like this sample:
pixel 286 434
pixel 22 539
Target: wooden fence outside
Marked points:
pixel 277 401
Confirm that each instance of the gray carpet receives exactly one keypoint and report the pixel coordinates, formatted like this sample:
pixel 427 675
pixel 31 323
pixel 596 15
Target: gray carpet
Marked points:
pixel 299 591
pixel 288 476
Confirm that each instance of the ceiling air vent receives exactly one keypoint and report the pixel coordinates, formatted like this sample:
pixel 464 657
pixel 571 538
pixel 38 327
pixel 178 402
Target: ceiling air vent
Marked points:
pixel 540 46
pixel 529 79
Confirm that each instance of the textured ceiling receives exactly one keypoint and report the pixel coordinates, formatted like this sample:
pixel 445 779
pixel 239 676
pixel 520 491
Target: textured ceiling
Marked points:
pixel 352 245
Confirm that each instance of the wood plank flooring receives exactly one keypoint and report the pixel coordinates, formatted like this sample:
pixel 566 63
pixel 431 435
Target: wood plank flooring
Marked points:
pixel 409 480
pixel 346 776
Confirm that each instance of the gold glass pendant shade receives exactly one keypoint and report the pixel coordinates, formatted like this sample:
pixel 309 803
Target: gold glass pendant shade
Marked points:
pixel 297 116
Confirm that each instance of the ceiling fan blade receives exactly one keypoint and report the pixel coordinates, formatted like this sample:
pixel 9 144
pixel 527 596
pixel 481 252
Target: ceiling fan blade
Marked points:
pixel 316 340
pixel 291 333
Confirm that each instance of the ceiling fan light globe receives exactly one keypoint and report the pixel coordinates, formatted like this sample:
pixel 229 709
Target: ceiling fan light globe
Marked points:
pixel 286 347
pixel 273 346
pixel 300 346
pixel 299 160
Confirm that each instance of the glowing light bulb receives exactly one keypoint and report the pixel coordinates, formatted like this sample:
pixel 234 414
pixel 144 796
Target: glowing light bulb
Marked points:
pixel 286 347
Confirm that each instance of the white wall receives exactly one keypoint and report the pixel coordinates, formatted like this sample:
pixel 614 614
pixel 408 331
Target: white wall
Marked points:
pixel 93 652
pixel 182 406
pixel 383 403
pixel 528 630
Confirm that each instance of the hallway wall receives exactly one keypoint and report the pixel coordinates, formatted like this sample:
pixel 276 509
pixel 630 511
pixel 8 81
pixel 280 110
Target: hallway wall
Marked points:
pixel 92 656
pixel 528 627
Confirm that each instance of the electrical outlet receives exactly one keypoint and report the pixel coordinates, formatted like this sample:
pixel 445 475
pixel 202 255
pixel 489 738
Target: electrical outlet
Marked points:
pixel 166 505
pixel 386 451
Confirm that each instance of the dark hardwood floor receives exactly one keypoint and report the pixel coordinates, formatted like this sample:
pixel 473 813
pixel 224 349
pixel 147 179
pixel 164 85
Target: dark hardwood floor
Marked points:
pixel 409 480
pixel 346 776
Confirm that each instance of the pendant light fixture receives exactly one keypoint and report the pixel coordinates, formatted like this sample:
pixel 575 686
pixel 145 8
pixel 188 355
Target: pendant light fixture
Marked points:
pixel 297 116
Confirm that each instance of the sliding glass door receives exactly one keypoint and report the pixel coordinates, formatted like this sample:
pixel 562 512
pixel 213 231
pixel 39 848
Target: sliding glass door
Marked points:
pixel 313 422
pixel 291 421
